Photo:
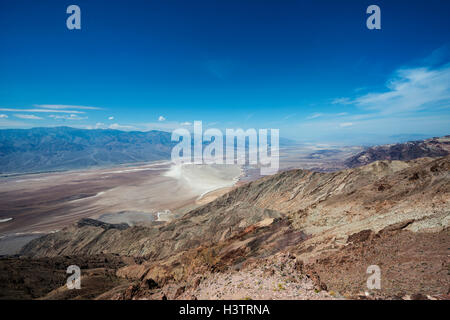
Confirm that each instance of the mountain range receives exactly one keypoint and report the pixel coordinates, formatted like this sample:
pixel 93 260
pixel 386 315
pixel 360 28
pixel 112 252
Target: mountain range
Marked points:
pixel 65 148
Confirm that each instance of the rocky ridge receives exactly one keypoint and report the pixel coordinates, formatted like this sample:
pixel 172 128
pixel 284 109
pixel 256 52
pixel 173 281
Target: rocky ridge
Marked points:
pixel 332 225
pixel 434 147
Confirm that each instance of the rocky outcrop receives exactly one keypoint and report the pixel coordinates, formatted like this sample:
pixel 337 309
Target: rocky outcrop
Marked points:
pixel 101 224
pixel 435 147
pixel 411 263
pixel 27 278
pixel 204 226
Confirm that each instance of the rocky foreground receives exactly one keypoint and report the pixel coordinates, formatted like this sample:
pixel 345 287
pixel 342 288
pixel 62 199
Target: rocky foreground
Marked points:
pixel 295 235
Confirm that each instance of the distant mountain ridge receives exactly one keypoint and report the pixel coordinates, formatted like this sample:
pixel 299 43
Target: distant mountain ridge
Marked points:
pixel 65 148
pixel 434 147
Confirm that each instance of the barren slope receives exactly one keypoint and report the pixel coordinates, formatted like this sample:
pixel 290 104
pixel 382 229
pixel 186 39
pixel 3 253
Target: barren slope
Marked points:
pixel 334 225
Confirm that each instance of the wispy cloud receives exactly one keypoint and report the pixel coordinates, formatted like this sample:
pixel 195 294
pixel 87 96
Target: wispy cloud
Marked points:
pixel 40 110
pixel 121 127
pixel 416 97
pixel 164 125
pixel 437 57
pixel 3 116
pixel 161 118
pixel 408 90
pixel 111 118
pixel 64 106
pixel 68 117
pixel 28 116
pixel 342 100
pixel 325 115
pixel 289 116
pixel 314 116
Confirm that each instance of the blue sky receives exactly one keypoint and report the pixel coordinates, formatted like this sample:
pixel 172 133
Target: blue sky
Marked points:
pixel 309 68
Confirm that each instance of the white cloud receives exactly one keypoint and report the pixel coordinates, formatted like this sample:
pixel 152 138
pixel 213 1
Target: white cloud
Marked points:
pixel 289 116
pixel 98 125
pixel 161 118
pixel 64 106
pixel 163 126
pixel 28 116
pixel 415 99
pixel 40 110
pixel 111 118
pixel 325 115
pixel 372 127
pixel 4 116
pixel 341 101
pixel 410 89
pixel 68 117
pixel 117 126
pixel 187 123
pixel 314 116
